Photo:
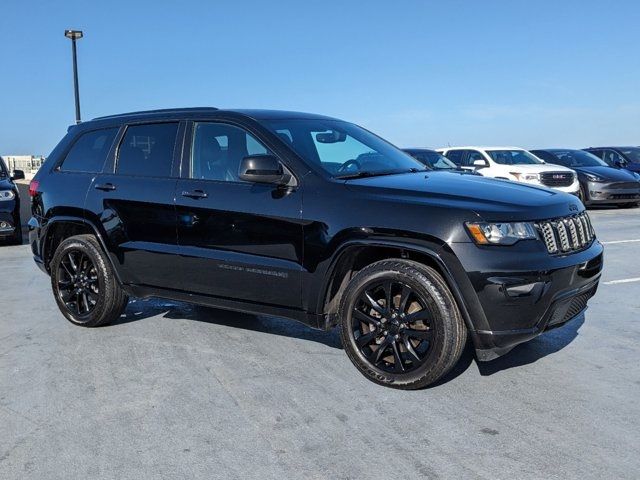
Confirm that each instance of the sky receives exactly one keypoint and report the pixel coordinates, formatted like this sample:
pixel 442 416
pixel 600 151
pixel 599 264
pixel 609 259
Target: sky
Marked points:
pixel 419 73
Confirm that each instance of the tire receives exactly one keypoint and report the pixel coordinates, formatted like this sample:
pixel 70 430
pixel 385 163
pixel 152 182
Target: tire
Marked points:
pixel 582 195
pixel 437 338
pixel 102 300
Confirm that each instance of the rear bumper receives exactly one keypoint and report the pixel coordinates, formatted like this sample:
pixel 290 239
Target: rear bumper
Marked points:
pixel 517 294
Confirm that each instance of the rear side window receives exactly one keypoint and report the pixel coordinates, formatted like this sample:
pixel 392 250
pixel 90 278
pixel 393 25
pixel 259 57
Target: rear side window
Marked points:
pixel 147 150
pixel 89 151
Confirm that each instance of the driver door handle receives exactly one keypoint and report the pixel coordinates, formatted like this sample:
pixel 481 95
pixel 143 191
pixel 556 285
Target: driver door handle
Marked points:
pixel 106 187
pixel 195 194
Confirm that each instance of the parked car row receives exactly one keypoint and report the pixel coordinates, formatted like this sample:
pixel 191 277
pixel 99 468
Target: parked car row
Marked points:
pixel 597 176
pixel 10 225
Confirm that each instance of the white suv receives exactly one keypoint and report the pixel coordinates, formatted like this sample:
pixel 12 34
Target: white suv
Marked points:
pixel 512 163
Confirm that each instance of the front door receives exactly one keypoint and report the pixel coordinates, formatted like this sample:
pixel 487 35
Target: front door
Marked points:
pixel 238 240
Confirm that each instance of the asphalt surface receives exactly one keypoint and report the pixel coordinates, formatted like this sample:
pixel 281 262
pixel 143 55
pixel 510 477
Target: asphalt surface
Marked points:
pixel 176 391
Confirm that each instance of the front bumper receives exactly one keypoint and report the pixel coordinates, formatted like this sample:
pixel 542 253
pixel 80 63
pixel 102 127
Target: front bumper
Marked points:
pixel 516 293
pixel 608 193
pixel 8 221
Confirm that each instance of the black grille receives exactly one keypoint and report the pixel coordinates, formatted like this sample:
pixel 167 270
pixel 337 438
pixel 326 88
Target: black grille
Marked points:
pixel 556 179
pixel 567 234
pixel 624 196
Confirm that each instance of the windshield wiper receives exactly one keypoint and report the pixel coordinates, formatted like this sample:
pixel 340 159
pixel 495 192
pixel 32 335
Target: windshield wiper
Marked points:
pixel 369 173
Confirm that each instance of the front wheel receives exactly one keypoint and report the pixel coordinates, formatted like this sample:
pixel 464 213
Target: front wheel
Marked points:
pixel 83 283
pixel 400 324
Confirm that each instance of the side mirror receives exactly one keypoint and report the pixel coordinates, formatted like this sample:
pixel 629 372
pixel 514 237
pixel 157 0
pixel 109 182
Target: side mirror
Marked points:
pixel 17 175
pixel 480 163
pixel 261 169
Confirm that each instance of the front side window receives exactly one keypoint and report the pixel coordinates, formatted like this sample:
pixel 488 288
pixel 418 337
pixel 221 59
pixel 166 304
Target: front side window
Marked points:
pixel 513 157
pixel 613 158
pixel 89 152
pixel 217 150
pixel 342 149
pixel 473 156
pixel 147 150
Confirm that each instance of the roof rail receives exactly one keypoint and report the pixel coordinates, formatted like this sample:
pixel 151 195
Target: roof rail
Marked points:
pixel 161 110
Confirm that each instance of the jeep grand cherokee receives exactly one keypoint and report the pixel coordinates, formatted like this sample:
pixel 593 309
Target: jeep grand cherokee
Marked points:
pixel 311 218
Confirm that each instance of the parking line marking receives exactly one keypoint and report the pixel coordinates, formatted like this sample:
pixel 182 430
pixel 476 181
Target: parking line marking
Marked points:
pixel 624 280
pixel 636 240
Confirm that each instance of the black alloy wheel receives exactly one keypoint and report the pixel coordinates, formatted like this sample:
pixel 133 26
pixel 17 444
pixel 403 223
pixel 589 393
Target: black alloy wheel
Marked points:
pixel 392 326
pixel 400 324
pixel 78 285
pixel 84 285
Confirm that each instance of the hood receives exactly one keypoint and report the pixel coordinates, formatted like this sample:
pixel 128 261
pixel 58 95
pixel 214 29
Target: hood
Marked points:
pixel 546 167
pixel 609 173
pixel 634 167
pixel 492 199
pixel 6 184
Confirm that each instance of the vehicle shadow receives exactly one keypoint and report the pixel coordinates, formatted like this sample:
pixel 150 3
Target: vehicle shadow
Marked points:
pixel 546 344
pixel 139 309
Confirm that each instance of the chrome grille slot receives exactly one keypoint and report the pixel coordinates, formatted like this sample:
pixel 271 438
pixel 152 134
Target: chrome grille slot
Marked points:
pixel 567 234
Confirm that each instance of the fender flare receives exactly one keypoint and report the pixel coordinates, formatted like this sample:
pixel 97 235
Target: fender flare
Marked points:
pixel 82 221
pixel 426 250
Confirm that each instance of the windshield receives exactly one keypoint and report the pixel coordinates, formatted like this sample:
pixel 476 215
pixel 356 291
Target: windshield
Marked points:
pixel 577 158
pixel 513 157
pixel 342 149
pixel 632 153
pixel 433 160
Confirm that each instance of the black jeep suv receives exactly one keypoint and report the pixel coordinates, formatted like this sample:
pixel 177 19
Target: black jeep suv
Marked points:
pixel 310 218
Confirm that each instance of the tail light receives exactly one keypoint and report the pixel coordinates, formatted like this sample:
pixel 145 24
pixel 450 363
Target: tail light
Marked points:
pixel 33 188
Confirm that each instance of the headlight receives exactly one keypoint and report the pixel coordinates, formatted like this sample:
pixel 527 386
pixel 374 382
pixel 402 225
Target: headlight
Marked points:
pixel 593 178
pixel 526 177
pixel 6 195
pixel 501 233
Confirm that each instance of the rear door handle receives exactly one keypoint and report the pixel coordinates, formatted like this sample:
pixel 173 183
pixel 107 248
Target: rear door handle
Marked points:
pixel 195 194
pixel 107 187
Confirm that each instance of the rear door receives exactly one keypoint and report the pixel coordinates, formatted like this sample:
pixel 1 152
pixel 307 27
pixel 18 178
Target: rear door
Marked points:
pixel 237 239
pixel 133 202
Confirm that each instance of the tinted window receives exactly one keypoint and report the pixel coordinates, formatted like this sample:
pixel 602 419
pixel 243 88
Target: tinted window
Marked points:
pixel 433 160
pixel 547 157
pixel 89 152
pixel 217 150
pixel 472 157
pixel 3 168
pixel 147 150
pixel 597 153
pixel 455 156
pixel 613 158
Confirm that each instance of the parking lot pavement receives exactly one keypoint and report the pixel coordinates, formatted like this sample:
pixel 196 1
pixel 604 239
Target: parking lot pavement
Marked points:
pixel 177 391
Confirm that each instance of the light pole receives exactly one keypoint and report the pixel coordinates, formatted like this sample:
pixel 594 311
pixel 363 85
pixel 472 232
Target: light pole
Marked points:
pixel 75 35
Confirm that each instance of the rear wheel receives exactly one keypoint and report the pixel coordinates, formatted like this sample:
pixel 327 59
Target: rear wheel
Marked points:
pixel 401 326
pixel 83 283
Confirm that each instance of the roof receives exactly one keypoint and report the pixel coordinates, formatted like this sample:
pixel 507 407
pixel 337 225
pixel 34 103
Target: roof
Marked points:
pixel 190 111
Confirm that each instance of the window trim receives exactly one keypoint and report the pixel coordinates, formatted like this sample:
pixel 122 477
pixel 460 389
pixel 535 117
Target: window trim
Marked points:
pixel 57 167
pixel 185 173
pixel 175 156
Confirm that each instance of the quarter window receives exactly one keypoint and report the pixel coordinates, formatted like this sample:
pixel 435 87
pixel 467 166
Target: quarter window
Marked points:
pixel 217 150
pixel 89 152
pixel 147 150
